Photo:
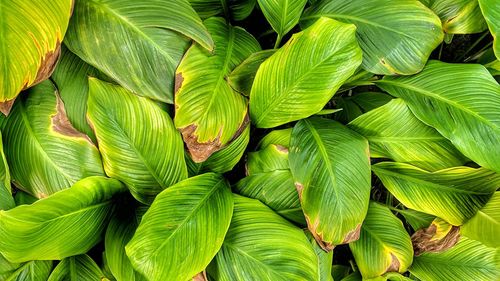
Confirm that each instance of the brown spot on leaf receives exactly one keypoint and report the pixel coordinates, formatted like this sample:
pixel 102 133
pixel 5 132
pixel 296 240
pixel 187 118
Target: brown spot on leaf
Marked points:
pixel 47 65
pixel 202 276
pixel 178 81
pixel 352 235
pixel 326 246
pixel 424 241
pixel 395 264
pixel 61 123
pixel 299 188
pixel 199 151
pixel 281 148
pixel 6 106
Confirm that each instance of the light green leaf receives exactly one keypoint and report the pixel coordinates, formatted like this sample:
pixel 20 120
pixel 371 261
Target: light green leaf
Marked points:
pixel 301 77
pixel 383 245
pixel 276 137
pixel 221 112
pixel 324 260
pixel 45 153
pixel 331 168
pixel 283 15
pixel 255 248
pixel 395 133
pixel 67 223
pixel 396 37
pixel 29 271
pixel 30 40
pixel 484 226
pixel 138 141
pixel 491 12
pixel 271 158
pixel 77 268
pixel 242 77
pixel 453 194
pixel 459 16
pixel 183 229
pixel 138 44
pixel 461 101
pixel 237 9
pixel 6 199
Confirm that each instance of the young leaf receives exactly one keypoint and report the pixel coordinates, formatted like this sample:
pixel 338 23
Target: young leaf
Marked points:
pixel 283 15
pixel 484 226
pixel 75 268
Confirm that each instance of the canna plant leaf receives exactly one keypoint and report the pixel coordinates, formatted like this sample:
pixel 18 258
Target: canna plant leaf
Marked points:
pixel 459 16
pixel 396 37
pixel 461 101
pixel 484 226
pixel 491 12
pixel 6 199
pixel 283 15
pixel 395 133
pixel 80 267
pixel 276 137
pixel 453 194
pixel 301 77
pixel 242 77
pixel 67 223
pixel 28 271
pixel 416 219
pixel 138 44
pixel 324 260
pixel 330 165
pixel 236 9
pixel 137 140
pixel 221 112
pixel 44 151
pixel 254 247
pixel 30 40
pixel 271 158
pixel 183 229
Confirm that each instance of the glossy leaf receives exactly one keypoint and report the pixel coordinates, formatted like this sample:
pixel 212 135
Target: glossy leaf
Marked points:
pixel 6 199
pixel 242 77
pixel 396 37
pixel 29 271
pixel 283 15
pixel 221 112
pixel 237 9
pixel 331 168
pixel 183 229
pixel 459 16
pixel 454 194
pixel 276 137
pixel 484 226
pixel 67 223
pixel 273 157
pixel 491 12
pixel 77 268
pixel 137 139
pixel 461 101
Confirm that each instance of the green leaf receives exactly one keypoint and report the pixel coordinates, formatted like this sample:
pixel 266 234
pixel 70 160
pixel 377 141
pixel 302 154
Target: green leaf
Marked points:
pixel 484 226
pixel 138 44
pixel 23 198
pixel 6 199
pixel 30 40
pixel 283 15
pixel 255 248
pixel 340 271
pixel 301 77
pixel 29 271
pixel 491 13
pixel 242 77
pixel 466 259
pixel 454 194
pixel 383 245
pixel 416 219
pixel 459 16
pixel 461 101
pixel 183 229
pixel 221 112
pixel 395 133
pixel 331 168
pixel 276 137
pixel 238 9
pixel 67 223
pixel 137 139
pixel 273 157
pixel 45 153
pixel 324 260
pixel 396 37
pixel 77 268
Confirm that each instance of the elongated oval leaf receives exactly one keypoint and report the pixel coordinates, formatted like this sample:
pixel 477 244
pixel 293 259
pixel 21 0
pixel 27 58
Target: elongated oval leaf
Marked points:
pixel 138 44
pixel 30 41
pixel 283 15
pixel 254 247
pixel 491 12
pixel 76 268
pixel 221 112
pixel 137 139
pixel 459 16
pixel 331 168
pixel 301 77
pixel 461 101
pixel 6 199
pixel 395 133
pixel 45 153
pixel 28 271
pixel 484 226
pixel 67 223
pixel 453 194
pixel 396 37
pixel 183 229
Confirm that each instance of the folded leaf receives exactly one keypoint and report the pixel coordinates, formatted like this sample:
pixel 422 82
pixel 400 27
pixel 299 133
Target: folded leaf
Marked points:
pixel 491 13
pixel 459 16
pixel 301 77
pixel 484 226
pixel 396 37
pixel 283 15
pixel 67 223
pixel 331 168
pixel 183 229
pixel 461 101
pixel 80 267
pixel 137 139
pixel 221 112
pixel 29 271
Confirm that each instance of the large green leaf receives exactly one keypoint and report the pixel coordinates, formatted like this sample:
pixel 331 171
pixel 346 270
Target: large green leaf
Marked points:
pixel 396 37
pixel 183 229
pixel 6 199
pixel 491 12
pixel 221 112
pixel 67 223
pixel 77 268
pixel 261 245
pixel 138 44
pixel 301 77
pixel 138 141
pixel 467 259
pixel 459 16
pixel 237 9
pixel 395 133
pixel 331 168
pixel 283 15
pixel 454 194
pixel 45 153
pixel 484 226
pixel 383 245
pixel 241 78
pixel 461 101
pixel 30 37
pixel 29 271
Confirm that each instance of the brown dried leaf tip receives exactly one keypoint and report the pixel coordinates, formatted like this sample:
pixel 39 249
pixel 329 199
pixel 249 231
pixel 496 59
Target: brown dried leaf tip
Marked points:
pixel 47 65
pixel 424 241
pixel 6 106
pixel 395 264
pixel 199 151
pixel 202 276
pixel 61 123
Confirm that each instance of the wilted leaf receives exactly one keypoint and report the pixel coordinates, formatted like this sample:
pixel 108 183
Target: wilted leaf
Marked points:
pixel 438 237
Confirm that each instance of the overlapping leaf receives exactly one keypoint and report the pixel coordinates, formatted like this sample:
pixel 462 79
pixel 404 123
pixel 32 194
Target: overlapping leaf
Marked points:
pixel 29 271
pixel 6 199
pixel 80 267
pixel 484 226
pixel 241 78
pixel 491 12
pixel 459 16
pixel 137 139
pixel 276 137
pixel 236 9
pixel 271 158
pixel 283 15
pixel 324 260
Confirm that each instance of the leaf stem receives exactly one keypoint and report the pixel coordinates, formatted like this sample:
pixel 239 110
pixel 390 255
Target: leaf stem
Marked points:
pixel 278 42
